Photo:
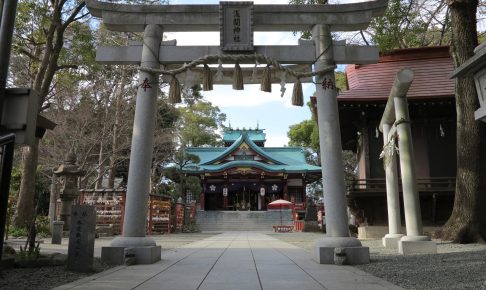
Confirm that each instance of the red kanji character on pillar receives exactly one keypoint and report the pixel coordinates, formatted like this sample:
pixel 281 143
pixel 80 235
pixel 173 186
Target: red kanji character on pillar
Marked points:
pixel 327 84
pixel 145 85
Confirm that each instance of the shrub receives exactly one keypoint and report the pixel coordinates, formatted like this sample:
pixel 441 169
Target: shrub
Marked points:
pixel 191 227
pixel 17 231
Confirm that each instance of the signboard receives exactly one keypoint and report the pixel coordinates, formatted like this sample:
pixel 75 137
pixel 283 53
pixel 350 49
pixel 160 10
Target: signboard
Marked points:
pixel 236 26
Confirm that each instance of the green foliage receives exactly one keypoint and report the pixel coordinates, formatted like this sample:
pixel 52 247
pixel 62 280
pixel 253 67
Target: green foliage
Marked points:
pixel 341 81
pixel 43 226
pixel 15 179
pixel 405 24
pixel 193 184
pixel 29 253
pixel 17 232
pixel 314 191
pixel 191 227
pixel 311 211
pixel 304 134
pixel 350 165
pixel 199 121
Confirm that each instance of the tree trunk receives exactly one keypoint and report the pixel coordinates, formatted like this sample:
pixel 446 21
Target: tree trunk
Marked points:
pixel 44 75
pixel 101 165
pixel 116 125
pixel 25 203
pixel 467 221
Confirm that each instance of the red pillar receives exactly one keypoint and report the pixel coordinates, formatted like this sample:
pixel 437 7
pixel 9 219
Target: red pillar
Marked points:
pixel 179 216
pixel 201 200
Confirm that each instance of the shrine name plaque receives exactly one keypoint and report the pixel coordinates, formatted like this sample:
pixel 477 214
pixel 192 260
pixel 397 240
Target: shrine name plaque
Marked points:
pixel 236 26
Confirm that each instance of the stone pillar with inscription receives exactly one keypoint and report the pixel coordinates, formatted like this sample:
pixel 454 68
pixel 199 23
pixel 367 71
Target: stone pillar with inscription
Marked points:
pixel 331 159
pixel 138 187
pixel 81 238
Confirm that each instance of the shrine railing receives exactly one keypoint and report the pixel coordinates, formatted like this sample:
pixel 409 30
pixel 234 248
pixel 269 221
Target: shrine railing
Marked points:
pixel 378 185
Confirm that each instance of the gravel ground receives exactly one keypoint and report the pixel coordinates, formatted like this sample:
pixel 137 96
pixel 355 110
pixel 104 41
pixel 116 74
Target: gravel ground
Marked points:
pixel 51 277
pixel 455 266
pixel 40 278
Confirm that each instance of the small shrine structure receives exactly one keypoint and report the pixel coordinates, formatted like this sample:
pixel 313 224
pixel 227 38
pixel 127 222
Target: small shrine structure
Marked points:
pixel 246 175
pixel 433 123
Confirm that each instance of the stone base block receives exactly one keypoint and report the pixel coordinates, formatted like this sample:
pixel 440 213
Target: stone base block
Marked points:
pixel 390 241
pixel 113 255
pixel 417 247
pixel 143 255
pixel 341 250
pixel 372 232
pixel 147 255
pixel 343 256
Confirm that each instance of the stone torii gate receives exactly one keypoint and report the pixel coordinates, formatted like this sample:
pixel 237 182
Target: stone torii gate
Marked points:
pixel 321 52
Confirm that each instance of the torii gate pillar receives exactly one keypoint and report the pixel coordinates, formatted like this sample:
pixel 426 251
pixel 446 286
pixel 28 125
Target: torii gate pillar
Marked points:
pixel 138 187
pixel 337 242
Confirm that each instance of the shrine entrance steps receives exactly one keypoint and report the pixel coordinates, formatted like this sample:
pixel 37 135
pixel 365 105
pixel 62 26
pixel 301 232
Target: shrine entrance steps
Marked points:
pixel 242 220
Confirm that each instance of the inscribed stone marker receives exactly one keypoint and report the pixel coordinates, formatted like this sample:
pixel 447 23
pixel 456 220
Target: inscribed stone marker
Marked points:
pixel 81 238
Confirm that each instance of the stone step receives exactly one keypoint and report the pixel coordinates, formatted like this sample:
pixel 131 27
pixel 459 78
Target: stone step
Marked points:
pixel 242 220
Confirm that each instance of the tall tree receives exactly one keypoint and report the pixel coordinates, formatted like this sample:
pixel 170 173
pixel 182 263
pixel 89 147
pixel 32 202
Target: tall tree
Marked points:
pixel 411 23
pixel 468 220
pixel 42 26
pixel 200 121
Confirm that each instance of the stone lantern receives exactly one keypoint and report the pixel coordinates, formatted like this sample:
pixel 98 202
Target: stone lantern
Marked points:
pixel 476 67
pixel 68 173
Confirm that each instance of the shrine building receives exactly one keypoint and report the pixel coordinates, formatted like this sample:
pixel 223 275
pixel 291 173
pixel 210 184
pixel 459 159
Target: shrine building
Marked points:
pixel 432 110
pixel 246 175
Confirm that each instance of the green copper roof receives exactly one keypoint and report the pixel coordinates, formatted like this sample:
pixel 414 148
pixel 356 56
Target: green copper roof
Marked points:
pixel 283 159
pixel 244 138
pixel 256 135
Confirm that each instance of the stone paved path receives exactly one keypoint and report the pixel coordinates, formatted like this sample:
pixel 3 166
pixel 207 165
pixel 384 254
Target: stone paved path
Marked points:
pixel 233 260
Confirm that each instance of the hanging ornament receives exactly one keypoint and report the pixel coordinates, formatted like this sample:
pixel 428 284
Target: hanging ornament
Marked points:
pixel 266 84
pixel 237 78
pixel 207 79
pixel 441 129
pixel 219 72
pixel 297 95
pixel 254 73
pixel 283 80
pixel 175 91
pixel 262 191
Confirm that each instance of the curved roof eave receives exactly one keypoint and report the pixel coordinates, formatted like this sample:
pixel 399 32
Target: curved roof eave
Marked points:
pixel 243 138
pixel 253 164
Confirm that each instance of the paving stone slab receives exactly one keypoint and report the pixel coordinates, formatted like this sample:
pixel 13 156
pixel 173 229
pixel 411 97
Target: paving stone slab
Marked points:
pixel 234 261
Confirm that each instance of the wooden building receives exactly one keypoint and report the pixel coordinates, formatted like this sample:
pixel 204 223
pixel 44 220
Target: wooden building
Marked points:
pixel 246 175
pixel 433 121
